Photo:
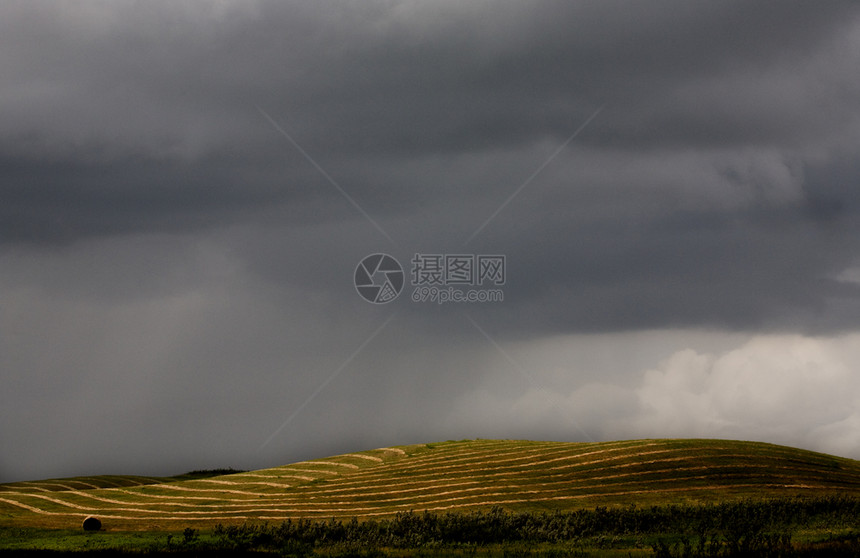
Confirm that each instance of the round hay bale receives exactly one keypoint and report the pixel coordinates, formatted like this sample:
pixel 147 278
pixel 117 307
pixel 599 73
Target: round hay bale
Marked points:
pixel 92 524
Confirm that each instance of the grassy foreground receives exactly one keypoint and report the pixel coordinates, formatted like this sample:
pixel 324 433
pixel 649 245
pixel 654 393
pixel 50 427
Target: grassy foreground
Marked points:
pixel 779 528
pixel 506 481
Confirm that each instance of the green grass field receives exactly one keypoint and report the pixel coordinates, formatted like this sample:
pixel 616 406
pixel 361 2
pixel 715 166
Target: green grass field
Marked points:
pixel 455 476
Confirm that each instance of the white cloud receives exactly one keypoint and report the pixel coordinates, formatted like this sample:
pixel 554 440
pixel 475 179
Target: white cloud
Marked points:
pixel 787 389
pixel 850 275
pixel 773 387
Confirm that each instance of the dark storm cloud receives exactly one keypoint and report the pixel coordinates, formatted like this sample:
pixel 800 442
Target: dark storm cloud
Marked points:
pixel 125 83
pixel 662 259
pixel 174 271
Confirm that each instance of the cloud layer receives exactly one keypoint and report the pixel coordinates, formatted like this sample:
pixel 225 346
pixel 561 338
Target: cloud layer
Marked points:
pixel 187 188
pixel 778 388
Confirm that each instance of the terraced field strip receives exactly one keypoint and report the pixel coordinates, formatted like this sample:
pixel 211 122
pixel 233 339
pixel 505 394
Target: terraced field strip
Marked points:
pixel 80 483
pixel 451 476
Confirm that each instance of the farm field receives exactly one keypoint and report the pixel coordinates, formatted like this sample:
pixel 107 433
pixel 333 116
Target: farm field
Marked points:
pixel 470 477
pixel 448 476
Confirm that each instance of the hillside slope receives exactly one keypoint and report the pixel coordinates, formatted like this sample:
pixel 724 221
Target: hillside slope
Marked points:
pixel 449 476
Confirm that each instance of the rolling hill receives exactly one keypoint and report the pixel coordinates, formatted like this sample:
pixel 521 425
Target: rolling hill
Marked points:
pixel 441 477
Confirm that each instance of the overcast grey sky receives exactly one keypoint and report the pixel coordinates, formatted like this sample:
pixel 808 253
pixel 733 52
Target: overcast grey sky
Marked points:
pixel 188 187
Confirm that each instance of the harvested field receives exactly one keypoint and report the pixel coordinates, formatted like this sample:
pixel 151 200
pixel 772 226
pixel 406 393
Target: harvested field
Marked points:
pixel 464 475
